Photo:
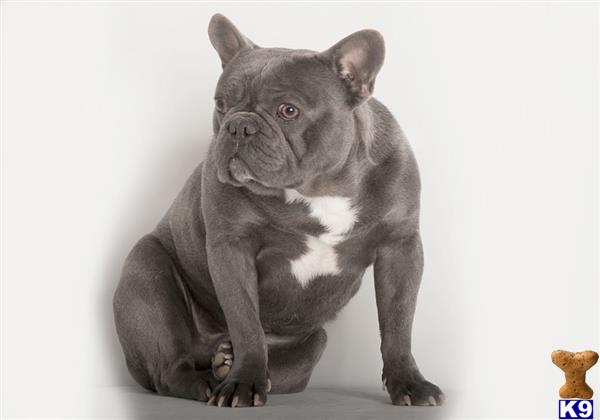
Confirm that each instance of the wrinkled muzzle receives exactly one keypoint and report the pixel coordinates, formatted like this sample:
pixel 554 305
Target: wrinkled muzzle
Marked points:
pixel 249 148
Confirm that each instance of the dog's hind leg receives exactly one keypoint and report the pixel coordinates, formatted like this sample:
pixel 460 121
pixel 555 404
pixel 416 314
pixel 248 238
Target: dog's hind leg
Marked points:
pixel 156 327
pixel 291 361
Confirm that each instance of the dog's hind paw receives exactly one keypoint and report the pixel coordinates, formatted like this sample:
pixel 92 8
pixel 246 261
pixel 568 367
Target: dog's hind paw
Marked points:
pixel 222 360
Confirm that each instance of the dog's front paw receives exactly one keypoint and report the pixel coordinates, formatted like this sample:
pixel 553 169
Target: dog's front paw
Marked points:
pixel 413 391
pixel 242 392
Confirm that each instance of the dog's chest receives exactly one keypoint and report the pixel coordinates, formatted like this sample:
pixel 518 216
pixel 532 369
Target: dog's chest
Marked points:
pixel 337 215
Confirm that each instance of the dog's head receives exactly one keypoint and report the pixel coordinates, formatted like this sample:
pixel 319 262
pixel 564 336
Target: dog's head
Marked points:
pixel 285 116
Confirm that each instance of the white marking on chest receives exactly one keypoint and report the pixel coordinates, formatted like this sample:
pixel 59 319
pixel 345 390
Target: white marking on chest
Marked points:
pixel 338 216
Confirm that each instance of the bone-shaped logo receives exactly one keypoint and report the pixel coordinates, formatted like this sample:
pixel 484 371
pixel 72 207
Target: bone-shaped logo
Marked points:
pixel 575 365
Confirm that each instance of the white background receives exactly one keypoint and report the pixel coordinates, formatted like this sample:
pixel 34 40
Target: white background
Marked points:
pixel 106 109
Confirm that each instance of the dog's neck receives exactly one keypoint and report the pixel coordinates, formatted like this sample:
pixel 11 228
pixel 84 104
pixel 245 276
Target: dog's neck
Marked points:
pixel 341 182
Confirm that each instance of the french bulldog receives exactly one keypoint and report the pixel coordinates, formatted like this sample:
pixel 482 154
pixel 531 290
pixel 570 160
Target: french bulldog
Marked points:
pixel 308 181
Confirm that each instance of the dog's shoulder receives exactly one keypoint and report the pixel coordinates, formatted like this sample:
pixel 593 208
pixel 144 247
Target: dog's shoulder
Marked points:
pixel 391 185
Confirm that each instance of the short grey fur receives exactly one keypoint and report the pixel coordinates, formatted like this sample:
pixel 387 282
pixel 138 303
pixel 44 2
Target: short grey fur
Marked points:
pixel 308 181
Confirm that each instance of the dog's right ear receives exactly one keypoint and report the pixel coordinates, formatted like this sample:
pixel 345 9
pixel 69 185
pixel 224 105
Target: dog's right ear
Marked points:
pixel 226 39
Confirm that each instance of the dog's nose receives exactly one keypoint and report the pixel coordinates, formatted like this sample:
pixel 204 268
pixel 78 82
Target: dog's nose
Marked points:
pixel 242 126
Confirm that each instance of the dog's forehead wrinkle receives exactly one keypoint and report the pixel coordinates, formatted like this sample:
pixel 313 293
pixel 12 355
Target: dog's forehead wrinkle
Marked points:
pixel 266 66
pixel 295 74
pixel 232 88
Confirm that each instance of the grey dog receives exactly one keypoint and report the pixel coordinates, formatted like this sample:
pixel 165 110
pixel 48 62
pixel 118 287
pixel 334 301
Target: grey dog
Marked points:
pixel 308 181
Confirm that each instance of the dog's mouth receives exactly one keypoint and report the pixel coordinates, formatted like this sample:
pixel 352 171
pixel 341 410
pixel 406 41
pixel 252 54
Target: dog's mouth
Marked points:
pixel 239 171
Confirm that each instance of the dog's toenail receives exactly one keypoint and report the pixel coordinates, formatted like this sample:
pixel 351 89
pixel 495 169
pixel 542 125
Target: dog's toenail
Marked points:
pixel 257 401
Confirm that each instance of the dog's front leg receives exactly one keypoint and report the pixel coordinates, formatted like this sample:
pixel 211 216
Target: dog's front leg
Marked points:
pixel 398 269
pixel 234 277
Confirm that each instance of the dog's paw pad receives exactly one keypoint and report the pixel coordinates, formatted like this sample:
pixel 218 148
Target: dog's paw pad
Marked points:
pixel 222 360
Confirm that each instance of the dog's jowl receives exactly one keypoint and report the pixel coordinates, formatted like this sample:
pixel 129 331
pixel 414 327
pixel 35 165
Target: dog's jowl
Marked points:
pixel 308 181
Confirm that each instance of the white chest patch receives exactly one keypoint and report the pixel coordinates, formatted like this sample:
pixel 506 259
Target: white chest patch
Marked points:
pixel 338 216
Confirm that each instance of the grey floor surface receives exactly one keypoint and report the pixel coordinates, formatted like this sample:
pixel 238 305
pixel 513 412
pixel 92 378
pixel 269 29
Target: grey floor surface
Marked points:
pixel 314 403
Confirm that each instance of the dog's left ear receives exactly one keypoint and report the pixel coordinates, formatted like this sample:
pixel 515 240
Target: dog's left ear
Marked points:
pixel 226 38
pixel 357 59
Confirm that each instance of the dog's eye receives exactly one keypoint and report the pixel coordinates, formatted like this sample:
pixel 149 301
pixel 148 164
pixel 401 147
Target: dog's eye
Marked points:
pixel 288 111
pixel 220 104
